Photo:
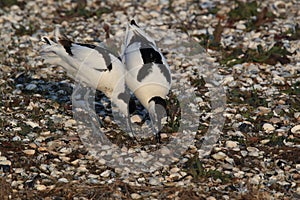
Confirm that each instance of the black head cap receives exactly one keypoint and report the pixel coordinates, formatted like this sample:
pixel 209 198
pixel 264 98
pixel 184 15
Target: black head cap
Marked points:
pixel 132 22
pixel 160 106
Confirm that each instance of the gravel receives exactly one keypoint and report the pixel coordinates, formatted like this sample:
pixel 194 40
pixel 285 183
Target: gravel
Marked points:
pixel 254 154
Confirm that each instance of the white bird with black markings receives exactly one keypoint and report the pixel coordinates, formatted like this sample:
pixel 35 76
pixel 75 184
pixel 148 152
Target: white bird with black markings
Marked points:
pixel 148 73
pixel 94 65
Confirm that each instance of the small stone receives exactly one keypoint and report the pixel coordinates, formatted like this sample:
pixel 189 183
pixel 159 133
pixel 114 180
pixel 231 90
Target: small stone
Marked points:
pixel 16 138
pixel 263 110
pixel 29 151
pixel 105 174
pixel 275 120
pixel 244 153
pixel 32 124
pixel 107 119
pixel 239 174
pixel 175 170
pixel 268 127
pixel 40 187
pixel 2 158
pixel 63 180
pixel 163 135
pixel 153 181
pixel 296 129
pixel 255 180
pixel 5 165
pixel 65 150
pixel 265 141
pixel 253 151
pixel 82 168
pixel 240 26
pixel 19 170
pixel 31 86
pixel 219 156
pixel 32 145
pixel 231 144
pixel 144 154
pixel 70 123
pixel 136 119
pixel 165 151
pixel 211 198
pixel 135 196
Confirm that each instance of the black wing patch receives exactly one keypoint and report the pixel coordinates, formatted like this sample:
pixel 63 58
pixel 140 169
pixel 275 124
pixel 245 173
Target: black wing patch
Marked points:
pixel 149 55
pixel 67 44
pixel 91 46
pixel 124 96
pixel 165 71
pixel 144 71
pixel 148 68
pixel 104 52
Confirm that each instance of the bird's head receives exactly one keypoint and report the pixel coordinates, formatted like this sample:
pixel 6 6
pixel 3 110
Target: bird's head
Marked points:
pixel 56 47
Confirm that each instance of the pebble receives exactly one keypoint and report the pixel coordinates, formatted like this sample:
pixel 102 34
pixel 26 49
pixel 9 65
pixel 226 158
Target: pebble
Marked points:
pixel 296 129
pixel 31 86
pixel 244 153
pixel 255 180
pixel 231 144
pixel 241 26
pixel 63 180
pixel 268 127
pixel 105 174
pixel 32 124
pixel 211 198
pixel 4 164
pixel 219 156
pixel 163 135
pixel 135 196
pixel 153 181
pixel 29 151
pixel 16 138
pixel 165 151
pixel 265 141
pixel 136 119
pixel 40 187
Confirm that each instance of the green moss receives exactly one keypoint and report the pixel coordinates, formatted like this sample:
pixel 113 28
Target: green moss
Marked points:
pixel 249 12
pixel 278 53
pixel 82 12
pixel 243 11
pixel 276 140
pixel 293 90
pixel 26 30
pixel 8 3
pixel 251 98
pixel 195 168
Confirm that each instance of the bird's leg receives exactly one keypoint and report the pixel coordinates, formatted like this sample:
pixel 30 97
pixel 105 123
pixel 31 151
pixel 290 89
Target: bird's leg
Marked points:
pixel 158 137
pixel 132 133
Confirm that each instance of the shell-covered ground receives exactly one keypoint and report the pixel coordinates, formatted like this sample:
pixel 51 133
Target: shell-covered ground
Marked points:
pixel 253 49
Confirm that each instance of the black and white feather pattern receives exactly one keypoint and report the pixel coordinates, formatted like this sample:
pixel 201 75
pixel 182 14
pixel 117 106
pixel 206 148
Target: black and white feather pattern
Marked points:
pixel 96 66
pixel 148 73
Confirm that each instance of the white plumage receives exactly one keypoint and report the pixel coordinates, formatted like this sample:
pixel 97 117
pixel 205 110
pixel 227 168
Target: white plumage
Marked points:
pixel 94 65
pixel 148 73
